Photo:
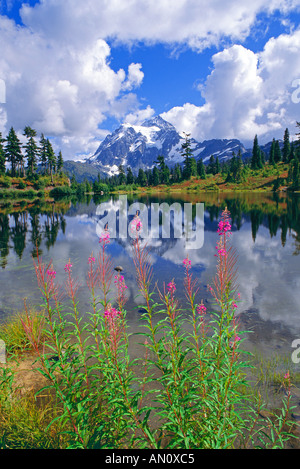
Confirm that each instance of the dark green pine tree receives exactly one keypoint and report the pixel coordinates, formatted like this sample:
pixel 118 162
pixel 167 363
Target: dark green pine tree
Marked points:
pixel 43 153
pixel 292 153
pixel 166 175
pixel 122 175
pixel 256 162
pixel 177 173
pixel 186 152
pixel 51 159
pixel 161 166
pixel 155 176
pixel 277 152
pixel 286 146
pixel 142 179
pixel 272 153
pixel 211 167
pixel 13 151
pixel 2 156
pixel 31 150
pixel 59 162
pixel 193 165
pixel 201 169
pixel 129 176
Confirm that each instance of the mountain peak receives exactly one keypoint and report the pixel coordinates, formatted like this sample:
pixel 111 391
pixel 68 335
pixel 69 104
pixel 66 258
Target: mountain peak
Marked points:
pixel 159 122
pixel 138 146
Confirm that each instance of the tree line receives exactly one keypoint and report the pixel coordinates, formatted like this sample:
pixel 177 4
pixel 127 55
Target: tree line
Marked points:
pixel 234 170
pixel 24 159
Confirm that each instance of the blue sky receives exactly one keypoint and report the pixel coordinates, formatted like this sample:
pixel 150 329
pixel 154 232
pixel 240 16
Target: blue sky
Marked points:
pixel 76 70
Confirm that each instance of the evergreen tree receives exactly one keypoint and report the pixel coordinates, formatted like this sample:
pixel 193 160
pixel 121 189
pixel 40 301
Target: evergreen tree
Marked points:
pixel 129 177
pixel 122 176
pixel 201 169
pixel 240 167
pixel 142 179
pixel 161 166
pixel 272 153
pixel 186 152
pixel 177 173
pixel 155 176
pixel 43 153
pixel 2 156
pixel 59 162
pixel 51 160
pixel 277 152
pixel 165 177
pixel 292 153
pixel 286 146
pixel 211 167
pixel 256 162
pixel 31 150
pixel 74 184
pixel 13 151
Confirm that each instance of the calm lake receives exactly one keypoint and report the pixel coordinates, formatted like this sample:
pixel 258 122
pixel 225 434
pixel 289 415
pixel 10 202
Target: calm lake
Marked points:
pixel 265 234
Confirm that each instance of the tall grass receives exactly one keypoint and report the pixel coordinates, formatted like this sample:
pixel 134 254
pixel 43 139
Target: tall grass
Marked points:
pixel 187 390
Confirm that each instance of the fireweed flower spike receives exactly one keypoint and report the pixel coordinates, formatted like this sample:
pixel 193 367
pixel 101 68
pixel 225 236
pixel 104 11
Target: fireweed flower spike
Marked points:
pixel 171 287
pixel 68 267
pixel 51 273
pixel 186 262
pixel 136 225
pixel 104 238
pixel 201 309
pixel 114 326
pixel 121 288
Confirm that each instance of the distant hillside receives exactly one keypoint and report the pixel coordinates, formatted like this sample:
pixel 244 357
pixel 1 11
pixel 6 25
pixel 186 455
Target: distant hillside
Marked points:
pixel 82 171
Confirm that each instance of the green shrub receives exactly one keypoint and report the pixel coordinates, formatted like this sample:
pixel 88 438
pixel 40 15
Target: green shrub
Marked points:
pixel 22 185
pixel 61 191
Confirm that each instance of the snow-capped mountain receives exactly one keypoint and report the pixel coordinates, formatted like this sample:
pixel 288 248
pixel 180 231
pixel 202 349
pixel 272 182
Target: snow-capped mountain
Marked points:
pixel 138 146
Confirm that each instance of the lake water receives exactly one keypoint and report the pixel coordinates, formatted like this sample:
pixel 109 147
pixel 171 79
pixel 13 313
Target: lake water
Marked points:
pixel 265 234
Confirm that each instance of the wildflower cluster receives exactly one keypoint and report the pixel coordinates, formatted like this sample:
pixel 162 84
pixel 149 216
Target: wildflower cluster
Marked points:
pixel 121 289
pixel 51 273
pixel 193 375
pixel 104 237
pixel 171 287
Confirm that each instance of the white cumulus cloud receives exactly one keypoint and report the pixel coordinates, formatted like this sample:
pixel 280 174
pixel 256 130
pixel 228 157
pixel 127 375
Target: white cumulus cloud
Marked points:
pixel 246 93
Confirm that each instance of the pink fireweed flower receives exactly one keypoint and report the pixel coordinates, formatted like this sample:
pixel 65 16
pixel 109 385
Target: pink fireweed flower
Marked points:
pixel 51 274
pixel 136 224
pixel 201 309
pixel 120 282
pixel 121 288
pixel 91 260
pixel 234 305
pixel 104 238
pixel 171 287
pixel 221 251
pixel 113 320
pixel 223 227
pixel 68 267
pixel 236 339
pixel 287 375
pixel 111 312
pixel 187 262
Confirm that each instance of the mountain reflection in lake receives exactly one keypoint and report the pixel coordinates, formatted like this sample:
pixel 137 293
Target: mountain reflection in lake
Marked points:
pixel 266 235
